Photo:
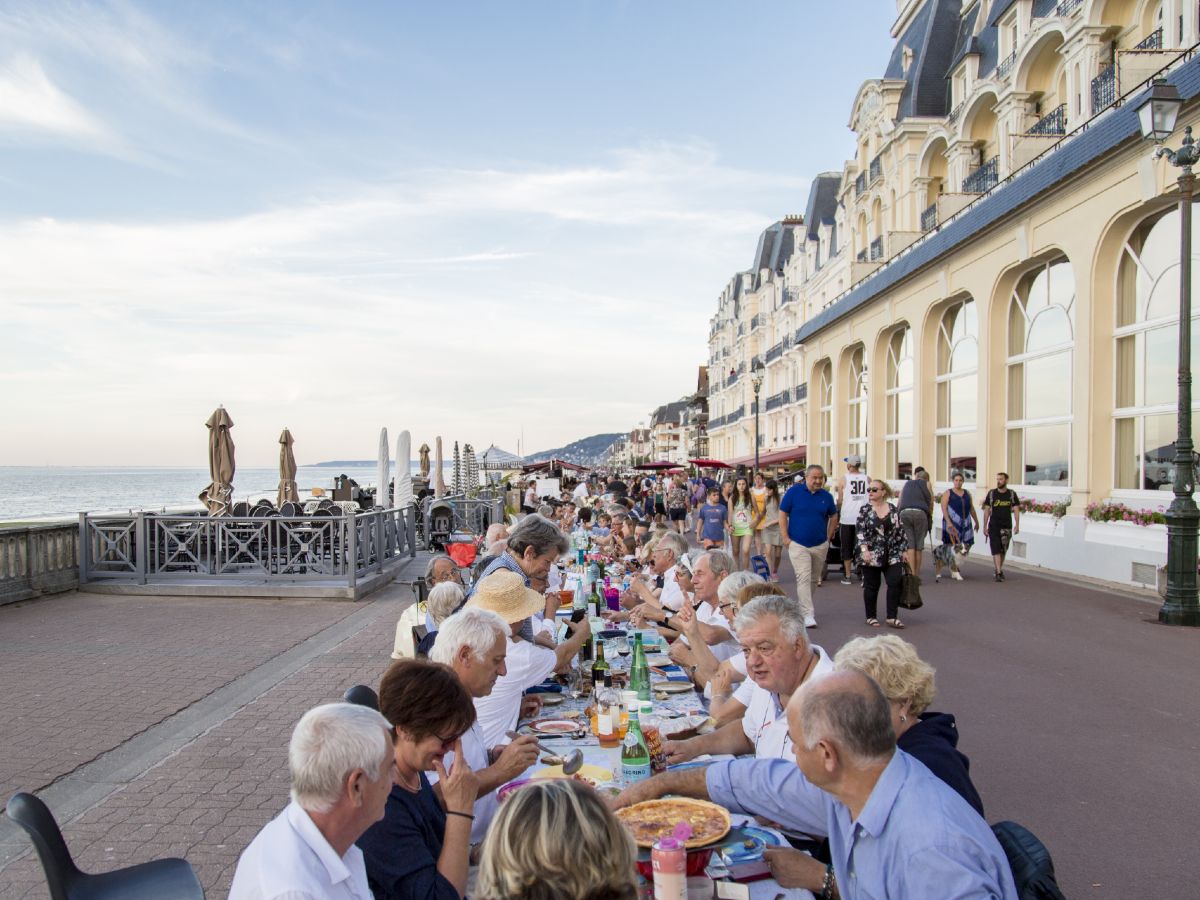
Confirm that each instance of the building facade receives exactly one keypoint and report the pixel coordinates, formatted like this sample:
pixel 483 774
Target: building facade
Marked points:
pixel 992 283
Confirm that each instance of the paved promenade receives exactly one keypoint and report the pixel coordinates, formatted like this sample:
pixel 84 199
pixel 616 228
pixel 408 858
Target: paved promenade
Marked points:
pixel 165 722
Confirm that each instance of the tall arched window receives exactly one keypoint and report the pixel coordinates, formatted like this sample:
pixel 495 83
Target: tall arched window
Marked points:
pixel 824 455
pixel 900 404
pixel 1147 348
pixel 957 391
pixel 856 389
pixel 1041 336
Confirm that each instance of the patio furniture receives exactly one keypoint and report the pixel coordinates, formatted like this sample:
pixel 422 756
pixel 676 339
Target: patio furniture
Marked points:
pixel 162 879
pixel 361 695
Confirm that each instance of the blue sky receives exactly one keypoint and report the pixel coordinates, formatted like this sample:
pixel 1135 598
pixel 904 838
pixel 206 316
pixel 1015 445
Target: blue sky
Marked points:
pixel 461 219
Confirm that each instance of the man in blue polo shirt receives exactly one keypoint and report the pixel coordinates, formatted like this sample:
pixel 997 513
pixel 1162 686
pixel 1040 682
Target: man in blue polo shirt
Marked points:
pixel 807 519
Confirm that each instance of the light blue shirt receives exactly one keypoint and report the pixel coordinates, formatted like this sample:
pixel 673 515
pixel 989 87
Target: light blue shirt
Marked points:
pixel 915 838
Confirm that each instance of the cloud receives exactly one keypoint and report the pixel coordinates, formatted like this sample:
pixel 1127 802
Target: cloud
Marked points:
pixel 30 101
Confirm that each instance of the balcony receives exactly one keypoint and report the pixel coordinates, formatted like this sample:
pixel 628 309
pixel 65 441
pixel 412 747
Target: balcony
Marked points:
pixel 1054 123
pixel 755 322
pixel 860 184
pixel 929 218
pixel 1104 89
pixel 735 415
pixel 1066 7
pixel 876 169
pixel 775 401
pixel 862 255
pixel 957 111
pixel 984 178
pixel 1005 65
pixel 1154 41
pixel 801 392
pixel 877 249
pixel 789 295
pixel 741 330
pixel 775 352
pixel 731 380
pixel 714 424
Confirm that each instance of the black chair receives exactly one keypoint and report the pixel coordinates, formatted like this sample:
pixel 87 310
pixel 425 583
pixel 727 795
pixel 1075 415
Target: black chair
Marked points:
pixel 361 695
pixel 162 879
pixel 290 509
pixel 1032 867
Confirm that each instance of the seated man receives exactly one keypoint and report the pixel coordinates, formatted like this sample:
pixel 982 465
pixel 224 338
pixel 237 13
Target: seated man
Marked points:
pixel 894 829
pixel 713 570
pixel 778 660
pixel 497 531
pixel 342 769
pixel 656 605
pixel 439 569
pixel 474 643
pixel 526 663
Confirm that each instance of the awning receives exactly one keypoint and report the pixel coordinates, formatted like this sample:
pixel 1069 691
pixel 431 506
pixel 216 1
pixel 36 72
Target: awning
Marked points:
pixel 551 465
pixel 773 458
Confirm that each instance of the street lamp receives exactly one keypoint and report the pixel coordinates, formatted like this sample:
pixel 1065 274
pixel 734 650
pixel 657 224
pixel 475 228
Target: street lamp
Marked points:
pixel 756 379
pixel 1157 114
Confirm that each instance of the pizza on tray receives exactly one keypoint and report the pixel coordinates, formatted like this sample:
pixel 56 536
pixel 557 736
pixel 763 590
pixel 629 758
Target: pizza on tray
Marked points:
pixel 654 819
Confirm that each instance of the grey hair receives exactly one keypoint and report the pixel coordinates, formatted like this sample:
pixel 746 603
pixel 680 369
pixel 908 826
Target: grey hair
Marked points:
pixel 433 561
pixel 469 627
pixel 443 600
pixel 328 743
pixel 674 542
pixel 545 510
pixel 719 562
pixel 732 585
pixel 536 532
pixel 854 717
pixel 785 609
pixel 819 468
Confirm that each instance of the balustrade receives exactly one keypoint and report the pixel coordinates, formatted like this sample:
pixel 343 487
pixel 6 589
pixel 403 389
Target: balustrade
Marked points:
pixel 1104 89
pixel 1053 123
pixel 984 178
pixel 877 249
pixel 929 217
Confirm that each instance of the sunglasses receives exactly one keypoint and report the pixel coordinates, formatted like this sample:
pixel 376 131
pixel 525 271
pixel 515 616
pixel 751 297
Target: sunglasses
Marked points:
pixel 874 490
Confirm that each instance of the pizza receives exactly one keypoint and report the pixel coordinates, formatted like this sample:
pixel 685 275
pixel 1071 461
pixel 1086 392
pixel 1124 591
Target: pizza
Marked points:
pixel 655 819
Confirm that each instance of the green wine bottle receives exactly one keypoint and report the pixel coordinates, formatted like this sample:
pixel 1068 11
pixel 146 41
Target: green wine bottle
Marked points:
pixel 639 671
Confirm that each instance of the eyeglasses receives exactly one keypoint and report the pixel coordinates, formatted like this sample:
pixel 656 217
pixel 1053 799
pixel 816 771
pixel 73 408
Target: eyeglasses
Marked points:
pixel 874 490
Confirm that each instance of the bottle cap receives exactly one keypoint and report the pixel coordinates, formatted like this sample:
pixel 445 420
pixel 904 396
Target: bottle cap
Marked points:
pixel 668 843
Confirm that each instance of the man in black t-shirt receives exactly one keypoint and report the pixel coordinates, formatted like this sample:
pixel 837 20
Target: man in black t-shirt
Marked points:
pixel 1001 520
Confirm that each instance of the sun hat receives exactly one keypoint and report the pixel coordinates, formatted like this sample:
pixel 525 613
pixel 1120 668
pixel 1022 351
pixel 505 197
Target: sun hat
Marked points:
pixel 504 592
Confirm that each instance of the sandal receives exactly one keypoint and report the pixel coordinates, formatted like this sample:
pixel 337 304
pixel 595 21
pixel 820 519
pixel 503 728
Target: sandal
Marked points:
pixel 895 623
pixel 874 623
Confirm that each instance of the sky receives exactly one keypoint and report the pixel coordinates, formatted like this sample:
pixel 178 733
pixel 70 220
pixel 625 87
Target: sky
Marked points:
pixel 497 222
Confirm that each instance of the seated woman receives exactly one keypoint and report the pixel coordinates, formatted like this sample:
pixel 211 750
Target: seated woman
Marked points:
pixel 526 858
pixel 419 850
pixel 441 603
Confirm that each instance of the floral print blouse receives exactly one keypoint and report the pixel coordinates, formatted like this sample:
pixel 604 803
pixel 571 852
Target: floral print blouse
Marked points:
pixel 879 542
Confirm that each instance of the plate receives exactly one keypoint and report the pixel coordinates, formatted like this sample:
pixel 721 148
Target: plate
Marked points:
pixel 746 844
pixel 672 687
pixel 673 729
pixel 554 726
pixel 592 775
pixel 552 699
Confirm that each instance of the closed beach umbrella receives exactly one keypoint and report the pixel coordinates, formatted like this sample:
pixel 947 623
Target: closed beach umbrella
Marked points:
pixel 287 470
pixel 404 487
pixel 439 484
pixel 383 474
pixel 218 496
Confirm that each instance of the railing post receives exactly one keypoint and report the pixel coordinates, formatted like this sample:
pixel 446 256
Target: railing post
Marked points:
pixel 380 539
pixel 410 527
pixel 85 552
pixel 351 545
pixel 141 548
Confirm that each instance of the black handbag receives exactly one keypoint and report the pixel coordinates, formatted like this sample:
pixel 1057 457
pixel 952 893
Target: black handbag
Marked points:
pixel 910 590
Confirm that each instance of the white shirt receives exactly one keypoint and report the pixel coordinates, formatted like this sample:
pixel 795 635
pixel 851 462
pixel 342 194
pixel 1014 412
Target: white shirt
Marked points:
pixel 765 723
pixel 710 614
pixel 291 860
pixel 528 664
pixel 671 596
pixel 475 752
pixel 854 495
pixel 580 492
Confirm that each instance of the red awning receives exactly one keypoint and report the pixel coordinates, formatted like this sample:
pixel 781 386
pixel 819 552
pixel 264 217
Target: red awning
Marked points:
pixel 773 458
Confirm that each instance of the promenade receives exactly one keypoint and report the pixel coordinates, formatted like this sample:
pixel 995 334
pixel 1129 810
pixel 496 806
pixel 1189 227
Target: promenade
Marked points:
pixel 158 726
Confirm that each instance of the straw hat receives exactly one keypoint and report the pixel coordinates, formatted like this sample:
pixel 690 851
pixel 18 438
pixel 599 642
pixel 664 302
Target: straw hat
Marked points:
pixel 504 592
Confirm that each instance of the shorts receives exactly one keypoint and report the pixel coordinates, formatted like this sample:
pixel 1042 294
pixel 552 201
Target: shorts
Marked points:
pixel 678 513
pixel 742 531
pixel 915 523
pixel 770 536
pixel 999 538
pixel 847 538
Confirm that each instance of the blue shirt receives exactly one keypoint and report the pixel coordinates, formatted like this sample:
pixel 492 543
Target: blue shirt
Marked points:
pixel 915 838
pixel 713 516
pixel 808 514
pixel 402 849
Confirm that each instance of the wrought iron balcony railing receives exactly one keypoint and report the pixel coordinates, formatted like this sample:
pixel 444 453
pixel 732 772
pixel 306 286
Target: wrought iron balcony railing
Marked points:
pixel 1104 89
pixel 860 184
pixel 775 352
pixel 1005 65
pixel 1152 41
pixel 801 392
pixel 1066 7
pixel 862 255
pixel 876 169
pixel 789 295
pixel 929 218
pixel 1053 123
pixel 876 249
pixel 984 178
pixel 957 111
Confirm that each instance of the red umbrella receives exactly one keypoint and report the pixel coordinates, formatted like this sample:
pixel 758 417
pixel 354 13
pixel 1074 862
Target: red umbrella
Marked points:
pixel 709 464
pixel 661 464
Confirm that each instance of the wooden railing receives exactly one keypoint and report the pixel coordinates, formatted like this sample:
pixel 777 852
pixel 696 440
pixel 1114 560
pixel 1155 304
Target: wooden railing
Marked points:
pixel 38 559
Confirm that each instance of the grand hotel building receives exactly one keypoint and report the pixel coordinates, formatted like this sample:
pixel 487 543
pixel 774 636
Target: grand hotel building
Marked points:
pixel 992 282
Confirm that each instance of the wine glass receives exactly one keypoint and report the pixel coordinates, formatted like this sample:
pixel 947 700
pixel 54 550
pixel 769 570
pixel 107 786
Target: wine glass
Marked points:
pixel 622 647
pixel 575 683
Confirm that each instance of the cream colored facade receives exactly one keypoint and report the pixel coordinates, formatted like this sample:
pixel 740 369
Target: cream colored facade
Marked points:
pixel 1043 343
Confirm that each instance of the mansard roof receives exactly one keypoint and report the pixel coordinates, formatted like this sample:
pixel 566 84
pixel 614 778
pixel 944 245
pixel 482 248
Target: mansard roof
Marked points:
pixel 930 37
pixel 822 202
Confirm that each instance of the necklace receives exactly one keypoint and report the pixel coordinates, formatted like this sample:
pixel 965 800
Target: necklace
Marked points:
pixel 404 783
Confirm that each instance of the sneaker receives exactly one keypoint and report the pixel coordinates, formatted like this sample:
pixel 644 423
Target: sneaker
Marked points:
pixel 847 581
pixel 810 622
pixel 1001 574
pixel 997 577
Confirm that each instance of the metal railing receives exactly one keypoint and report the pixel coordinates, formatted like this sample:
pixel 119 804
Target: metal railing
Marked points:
pixel 929 217
pixel 1005 65
pixel 1053 123
pixel 1066 7
pixel 212 549
pixel 957 111
pixel 984 178
pixel 860 184
pixel 1152 41
pixel 775 352
pixel 735 415
pixel 38 559
pixel 876 169
pixel 457 513
pixel 789 295
pixel 731 380
pixel 801 392
pixel 1104 89
pixel 877 249
pixel 716 423
pixel 755 321
pixel 862 255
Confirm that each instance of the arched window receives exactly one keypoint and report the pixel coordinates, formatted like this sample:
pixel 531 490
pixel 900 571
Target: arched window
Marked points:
pixel 1147 348
pixel 900 404
pixel 1040 343
pixel 824 455
pixel 957 391
pixel 857 407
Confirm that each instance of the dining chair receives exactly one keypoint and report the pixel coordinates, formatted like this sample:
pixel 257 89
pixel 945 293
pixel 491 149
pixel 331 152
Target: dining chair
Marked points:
pixel 361 695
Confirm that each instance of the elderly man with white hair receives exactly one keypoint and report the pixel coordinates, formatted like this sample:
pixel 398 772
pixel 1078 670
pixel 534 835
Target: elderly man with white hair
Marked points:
pixel 645 604
pixel 778 660
pixel 474 643
pixel 713 571
pixel 342 769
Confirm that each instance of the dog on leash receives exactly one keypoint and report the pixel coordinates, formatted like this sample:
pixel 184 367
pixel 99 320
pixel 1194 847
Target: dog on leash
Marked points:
pixel 943 558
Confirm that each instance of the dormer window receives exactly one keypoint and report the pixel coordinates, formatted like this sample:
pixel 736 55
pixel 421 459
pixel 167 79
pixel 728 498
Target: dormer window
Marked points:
pixel 906 58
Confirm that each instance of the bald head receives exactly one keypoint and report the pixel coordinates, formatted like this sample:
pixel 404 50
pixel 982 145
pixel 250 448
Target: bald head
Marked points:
pixel 848 711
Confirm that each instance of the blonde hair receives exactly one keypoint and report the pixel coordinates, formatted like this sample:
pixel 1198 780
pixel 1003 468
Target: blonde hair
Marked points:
pixel 894 664
pixel 885 488
pixel 525 856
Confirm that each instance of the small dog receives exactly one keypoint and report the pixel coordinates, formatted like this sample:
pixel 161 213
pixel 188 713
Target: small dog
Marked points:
pixel 943 558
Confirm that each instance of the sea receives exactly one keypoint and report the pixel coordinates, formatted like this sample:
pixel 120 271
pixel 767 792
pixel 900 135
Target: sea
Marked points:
pixel 53 493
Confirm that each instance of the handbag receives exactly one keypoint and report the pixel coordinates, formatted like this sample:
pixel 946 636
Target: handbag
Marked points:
pixel 910 589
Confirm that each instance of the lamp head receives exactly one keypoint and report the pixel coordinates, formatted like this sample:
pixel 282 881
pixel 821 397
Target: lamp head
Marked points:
pixel 1159 111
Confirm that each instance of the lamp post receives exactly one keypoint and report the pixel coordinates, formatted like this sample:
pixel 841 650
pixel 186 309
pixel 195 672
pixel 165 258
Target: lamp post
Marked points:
pixel 756 379
pixel 1157 114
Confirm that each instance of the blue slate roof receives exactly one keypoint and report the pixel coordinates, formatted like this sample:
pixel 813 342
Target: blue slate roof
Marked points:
pixel 1118 127
pixel 775 248
pixel 930 36
pixel 822 202
pixel 964 43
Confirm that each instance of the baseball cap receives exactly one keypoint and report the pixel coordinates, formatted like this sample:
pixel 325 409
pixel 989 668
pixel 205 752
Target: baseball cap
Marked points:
pixel 854 459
